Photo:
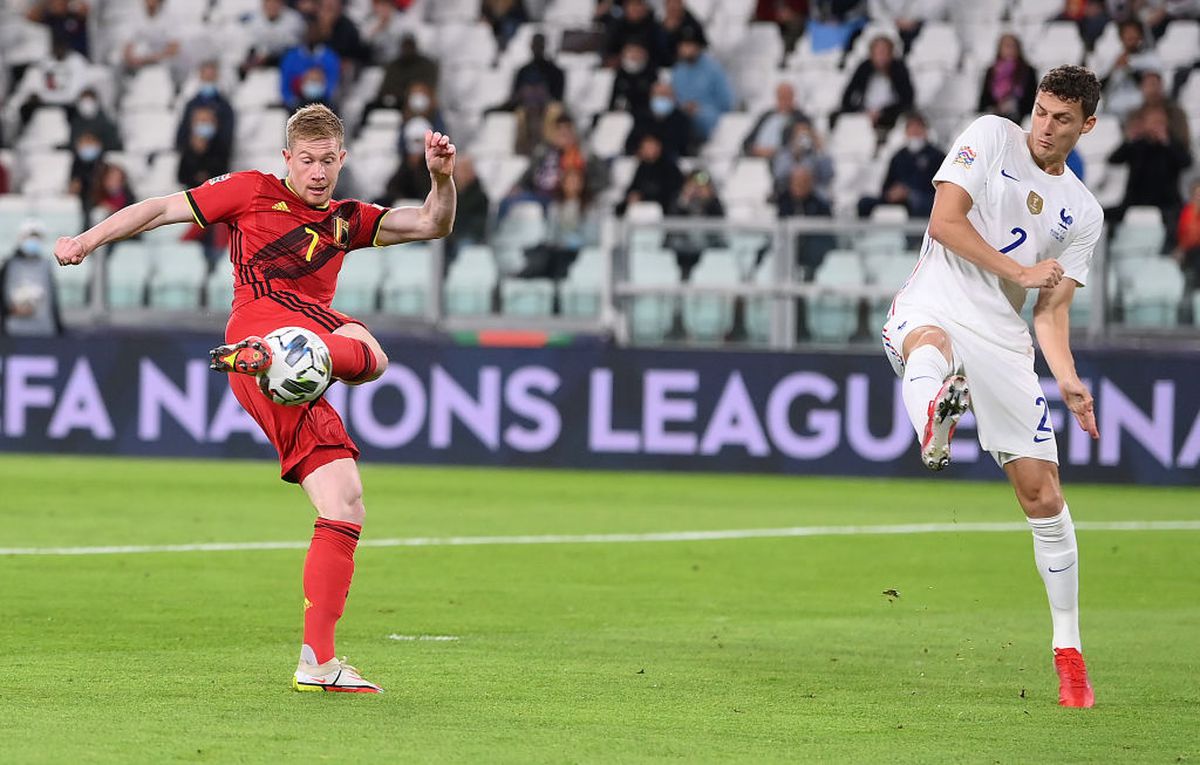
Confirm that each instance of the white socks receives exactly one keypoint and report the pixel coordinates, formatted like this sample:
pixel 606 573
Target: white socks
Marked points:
pixel 1057 559
pixel 924 373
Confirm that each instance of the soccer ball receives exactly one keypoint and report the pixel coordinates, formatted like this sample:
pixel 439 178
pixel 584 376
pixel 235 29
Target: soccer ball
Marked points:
pixel 300 368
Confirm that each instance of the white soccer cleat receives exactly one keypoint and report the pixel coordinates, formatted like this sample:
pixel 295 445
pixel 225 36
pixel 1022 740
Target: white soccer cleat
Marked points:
pixel 944 411
pixel 333 675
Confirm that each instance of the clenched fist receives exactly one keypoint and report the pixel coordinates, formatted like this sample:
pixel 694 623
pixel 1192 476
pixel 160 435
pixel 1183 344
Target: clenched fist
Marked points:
pixel 68 251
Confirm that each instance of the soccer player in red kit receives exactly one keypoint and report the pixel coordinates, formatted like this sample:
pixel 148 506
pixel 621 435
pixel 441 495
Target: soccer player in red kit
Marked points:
pixel 289 238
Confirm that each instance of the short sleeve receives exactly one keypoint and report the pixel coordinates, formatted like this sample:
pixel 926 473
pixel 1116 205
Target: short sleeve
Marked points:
pixel 1076 260
pixel 370 218
pixel 973 153
pixel 224 198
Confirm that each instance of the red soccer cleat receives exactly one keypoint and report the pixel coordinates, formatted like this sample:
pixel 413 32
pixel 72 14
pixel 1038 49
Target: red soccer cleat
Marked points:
pixel 951 402
pixel 249 357
pixel 1074 690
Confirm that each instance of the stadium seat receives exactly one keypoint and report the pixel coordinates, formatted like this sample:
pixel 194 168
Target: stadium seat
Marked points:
pixel 706 317
pixel 263 130
pixel 596 96
pixel 469 44
pixel 161 176
pixel 129 267
pixel 1152 291
pixel 1055 43
pixel 853 138
pixel 358 283
pixel 1141 234
pixel 750 181
pixel 608 137
pixel 522 228
pixel 408 280
pixel 60 214
pixel 218 289
pixel 937 46
pixel 452 11
pixel 648 236
pixel 150 89
pixel 74 284
pixel 580 292
pixel 471 281
pixel 148 131
pixel 889 271
pixel 260 89
pixel 497 137
pixel 651 316
pixel 1033 12
pixel 178 277
pixel 568 14
pixel 47 130
pixel 526 297
pixel 498 175
pixel 46 172
pixel 758 309
pixel 834 318
pixel 727 137
pixel 1179 45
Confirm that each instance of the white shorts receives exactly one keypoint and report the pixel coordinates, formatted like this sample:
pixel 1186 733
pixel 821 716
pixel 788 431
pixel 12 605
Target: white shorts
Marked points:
pixel 1012 416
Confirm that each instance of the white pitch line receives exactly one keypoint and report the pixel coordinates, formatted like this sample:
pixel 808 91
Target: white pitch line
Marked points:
pixel 572 539
pixel 428 638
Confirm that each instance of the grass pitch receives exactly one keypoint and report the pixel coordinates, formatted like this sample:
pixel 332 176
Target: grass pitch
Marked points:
pixel 755 650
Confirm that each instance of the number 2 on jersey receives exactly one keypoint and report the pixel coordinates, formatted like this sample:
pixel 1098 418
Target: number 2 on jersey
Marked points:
pixel 1018 231
pixel 311 245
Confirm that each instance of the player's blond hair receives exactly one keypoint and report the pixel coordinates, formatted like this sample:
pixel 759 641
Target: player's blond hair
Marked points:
pixel 314 122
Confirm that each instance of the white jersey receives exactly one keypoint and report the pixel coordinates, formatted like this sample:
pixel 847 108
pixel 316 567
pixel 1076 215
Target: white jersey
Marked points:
pixel 1019 209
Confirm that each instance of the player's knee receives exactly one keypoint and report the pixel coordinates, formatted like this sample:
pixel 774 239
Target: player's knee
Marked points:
pixel 1041 500
pixel 935 337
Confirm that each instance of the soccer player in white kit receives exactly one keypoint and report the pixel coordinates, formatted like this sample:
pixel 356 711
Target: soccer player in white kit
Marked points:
pixel 1008 216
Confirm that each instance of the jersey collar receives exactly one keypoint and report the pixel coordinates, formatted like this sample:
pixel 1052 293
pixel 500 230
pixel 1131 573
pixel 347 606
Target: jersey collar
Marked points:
pixel 288 184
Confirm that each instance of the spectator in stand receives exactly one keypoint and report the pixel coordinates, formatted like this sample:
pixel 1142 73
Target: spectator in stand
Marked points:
pixel 1010 83
pixel 411 180
pixel 153 40
pixel 881 86
pixel 505 17
pixel 208 96
pixel 471 216
pixel 636 22
pixel 28 300
pixel 310 72
pixel 56 81
pixel 799 199
pixel 202 157
pixel 383 30
pixel 1090 15
pixel 539 79
pixel 110 191
pixel 657 178
pixel 834 24
pixel 68 18
pixel 421 104
pixel 341 34
pixel 273 31
pixel 1154 94
pixel 559 153
pixel 907 16
pixel 632 83
pixel 85 165
pixel 5 180
pixel 1156 163
pixel 774 125
pixel 676 18
pixel 1121 94
pixel 804 147
pixel 697 199
pixel 665 121
pixel 572 223
pixel 790 16
pixel 89 117
pixel 700 85
pixel 909 180
pixel 399 75
pixel 1187 234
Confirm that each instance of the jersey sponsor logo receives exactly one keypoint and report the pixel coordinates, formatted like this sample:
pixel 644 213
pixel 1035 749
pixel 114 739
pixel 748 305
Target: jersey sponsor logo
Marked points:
pixel 218 179
pixel 1006 175
pixel 1035 203
pixel 281 206
pixel 965 157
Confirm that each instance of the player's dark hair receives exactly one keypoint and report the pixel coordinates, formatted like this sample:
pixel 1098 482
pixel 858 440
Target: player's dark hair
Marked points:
pixel 1073 83
pixel 314 122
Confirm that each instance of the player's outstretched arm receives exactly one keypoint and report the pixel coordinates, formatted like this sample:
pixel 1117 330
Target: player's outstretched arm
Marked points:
pixel 949 226
pixel 124 223
pixel 1052 325
pixel 435 218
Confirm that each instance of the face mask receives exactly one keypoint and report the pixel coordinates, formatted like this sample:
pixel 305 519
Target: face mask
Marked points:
pixel 803 142
pixel 916 144
pixel 89 152
pixel 31 246
pixel 661 106
pixel 632 65
pixel 418 102
pixel 208 90
pixel 312 90
pixel 88 107
pixel 205 130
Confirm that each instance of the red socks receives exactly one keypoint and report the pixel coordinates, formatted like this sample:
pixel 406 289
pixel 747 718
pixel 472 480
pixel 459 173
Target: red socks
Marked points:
pixel 352 360
pixel 327 572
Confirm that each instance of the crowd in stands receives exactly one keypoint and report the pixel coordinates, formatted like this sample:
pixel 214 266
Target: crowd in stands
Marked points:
pixel 556 71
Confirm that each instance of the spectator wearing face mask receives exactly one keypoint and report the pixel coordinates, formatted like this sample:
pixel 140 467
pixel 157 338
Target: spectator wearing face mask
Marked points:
pixel 85 167
pixel 421 104
pixel 635 77
pixel 774 125
pixel 202 156
pixel 665 121
pixel 411 180
pixel 28 302
pixel 310 73
pixel 909 180
pixel 208 96
pixel 804 147
pixel 89 117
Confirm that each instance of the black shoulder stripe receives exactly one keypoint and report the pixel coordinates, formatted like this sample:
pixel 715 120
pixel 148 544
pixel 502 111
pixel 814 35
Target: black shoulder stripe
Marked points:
pixel 196 210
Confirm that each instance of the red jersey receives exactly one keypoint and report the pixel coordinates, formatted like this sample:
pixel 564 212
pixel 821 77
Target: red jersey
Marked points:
pixel 278 242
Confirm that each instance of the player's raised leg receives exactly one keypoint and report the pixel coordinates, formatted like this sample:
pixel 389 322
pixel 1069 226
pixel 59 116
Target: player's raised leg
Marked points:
pixel 354 354
pixel 335 490
pixel 1057 556
pixel 934 398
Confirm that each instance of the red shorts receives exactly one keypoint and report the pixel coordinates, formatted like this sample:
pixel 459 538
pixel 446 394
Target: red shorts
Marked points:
pixel 308 436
